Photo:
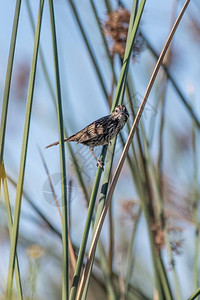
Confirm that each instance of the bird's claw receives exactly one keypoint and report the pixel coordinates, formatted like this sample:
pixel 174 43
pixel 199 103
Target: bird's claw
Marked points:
pixel 100 164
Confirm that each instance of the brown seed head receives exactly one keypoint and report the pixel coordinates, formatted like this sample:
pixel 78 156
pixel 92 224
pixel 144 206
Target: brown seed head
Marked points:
pixel 116 29
pixel 129 209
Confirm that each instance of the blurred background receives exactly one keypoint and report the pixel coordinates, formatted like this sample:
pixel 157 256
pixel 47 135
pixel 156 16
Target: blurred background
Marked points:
pixel 171 135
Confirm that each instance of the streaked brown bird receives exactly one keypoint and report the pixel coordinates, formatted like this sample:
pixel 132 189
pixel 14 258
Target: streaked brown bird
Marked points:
pixel 101 131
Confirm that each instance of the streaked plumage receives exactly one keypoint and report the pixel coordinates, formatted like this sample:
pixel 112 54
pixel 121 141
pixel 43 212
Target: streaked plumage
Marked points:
pixel 101 131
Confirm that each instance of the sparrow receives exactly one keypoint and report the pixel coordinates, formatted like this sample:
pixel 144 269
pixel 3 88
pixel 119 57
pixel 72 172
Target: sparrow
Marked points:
pixel 100 132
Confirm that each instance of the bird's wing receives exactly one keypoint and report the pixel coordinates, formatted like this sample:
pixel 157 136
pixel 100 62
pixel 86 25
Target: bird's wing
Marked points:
pixel 93 130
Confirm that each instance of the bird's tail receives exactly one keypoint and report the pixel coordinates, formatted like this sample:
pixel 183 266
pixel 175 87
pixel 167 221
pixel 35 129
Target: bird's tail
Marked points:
pixel 56 143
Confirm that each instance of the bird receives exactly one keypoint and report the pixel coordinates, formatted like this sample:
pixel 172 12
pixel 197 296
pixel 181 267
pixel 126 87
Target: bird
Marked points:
pixel 100 132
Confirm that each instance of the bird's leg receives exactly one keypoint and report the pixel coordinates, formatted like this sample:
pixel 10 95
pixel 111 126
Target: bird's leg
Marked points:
pixel 99 163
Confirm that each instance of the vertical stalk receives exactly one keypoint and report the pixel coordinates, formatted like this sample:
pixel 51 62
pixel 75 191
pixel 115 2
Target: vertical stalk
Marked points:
pixel 3 129
pixel 10 224
pixel 8 78
pixel 48 80
pixel 174 83
pixel 129 265
pixel 120 90
pixel 195 294
pixel 111 241
pixel 85 234
pixel 65 264
pixel 89 48
pixel 126 148
pixel 20 182
pixel 117 100
pixel 195 209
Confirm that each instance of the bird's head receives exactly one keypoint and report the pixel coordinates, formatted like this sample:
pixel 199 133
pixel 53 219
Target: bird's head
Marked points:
pixel 120 113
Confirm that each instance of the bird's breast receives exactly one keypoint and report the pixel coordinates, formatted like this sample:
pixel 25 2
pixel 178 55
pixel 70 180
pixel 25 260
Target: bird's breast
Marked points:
pixel 114 129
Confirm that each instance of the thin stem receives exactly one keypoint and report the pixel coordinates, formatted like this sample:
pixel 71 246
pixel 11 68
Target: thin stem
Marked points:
pixel 17 210
pixel 71 251
pixel 118 99
pixel 195 208
pixel 195 294
pixel 2 133
pixel 129 265
pixel 65 264
pixel 120 90
pixel 89 48
pixel 85 234
pixel 101 203
pixel 37 210
pixel 48 80
pixel 126 148
pixel 174 83
pixel 111 241
pixel 10 225
pixel 8 78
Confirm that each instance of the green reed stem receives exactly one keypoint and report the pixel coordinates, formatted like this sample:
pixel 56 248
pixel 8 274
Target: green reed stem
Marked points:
pixel 108 5
pixel 195 208
pixel 120 90
pixel 158 182
pixel 118 100
pixel 48 80
pixel 195 294
pixel 132 17
pixel 129 264
pixel 145 192
pixel 8 78
pixel 103 38
pixel 89 48
pixel 17 210
pixel 73 292
pixel 174 83
pixel 86 232
pixel 159 213
pixel 101 204
pixel 10 224
pixel 65 263
pixel 125 152
pixel 2 133
pixel 37 210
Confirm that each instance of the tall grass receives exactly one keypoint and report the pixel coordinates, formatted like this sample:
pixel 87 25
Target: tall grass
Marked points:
pixel 2 136
pixel 15 228
pixel 146 176
pixel 164 281
pixel 65 263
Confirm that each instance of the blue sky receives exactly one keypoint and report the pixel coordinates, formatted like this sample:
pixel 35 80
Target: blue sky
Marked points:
pixel 83 100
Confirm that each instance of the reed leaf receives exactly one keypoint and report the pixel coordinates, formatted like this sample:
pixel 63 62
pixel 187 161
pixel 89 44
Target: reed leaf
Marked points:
pixel 195 294
pixel 89 48
pixel 10 224
pixel 85 233
pixel 117 100
pixel 8 78
pixel 126 148
pixel 3 130
pixel 48 80
pixel 36 209
pixel 129 264
pixel 65 264
pixel 195 206
pixel 174 83
pixel 20 182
